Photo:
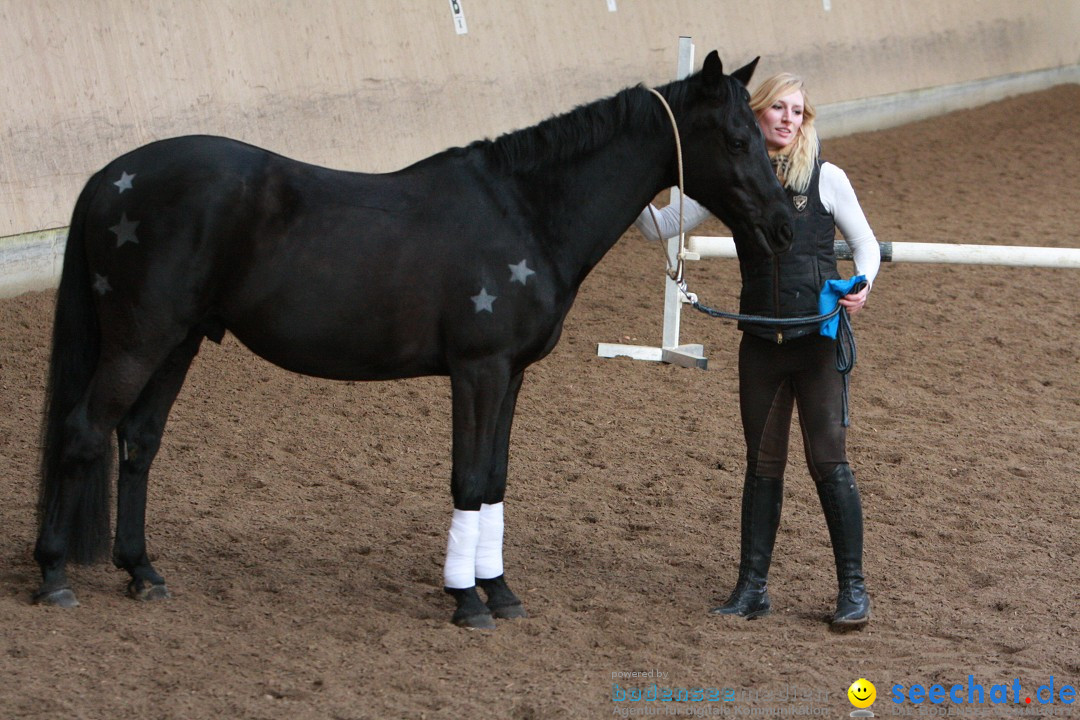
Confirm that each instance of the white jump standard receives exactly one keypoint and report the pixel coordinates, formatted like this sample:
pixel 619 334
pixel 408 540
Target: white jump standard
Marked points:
pixel 699 247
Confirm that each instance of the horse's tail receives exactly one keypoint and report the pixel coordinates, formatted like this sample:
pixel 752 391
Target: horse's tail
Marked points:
pixel 75 346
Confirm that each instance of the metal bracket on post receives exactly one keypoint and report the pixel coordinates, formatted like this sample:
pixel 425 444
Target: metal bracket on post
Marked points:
pixel 692 355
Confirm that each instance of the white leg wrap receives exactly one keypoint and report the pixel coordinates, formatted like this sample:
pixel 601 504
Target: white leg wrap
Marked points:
pixel 489 561
pixel 459 572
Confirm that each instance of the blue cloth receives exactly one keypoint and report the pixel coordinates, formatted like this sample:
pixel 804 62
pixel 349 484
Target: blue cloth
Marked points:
pixel 828 300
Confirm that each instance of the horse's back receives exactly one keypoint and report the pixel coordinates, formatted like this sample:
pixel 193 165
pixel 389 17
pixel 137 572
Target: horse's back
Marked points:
pixel 325 272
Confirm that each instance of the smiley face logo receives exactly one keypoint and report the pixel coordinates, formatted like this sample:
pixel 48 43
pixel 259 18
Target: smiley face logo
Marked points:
pixel 862 693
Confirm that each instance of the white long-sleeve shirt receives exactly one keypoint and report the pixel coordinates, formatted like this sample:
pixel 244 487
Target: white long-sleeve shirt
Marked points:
pixel 837 196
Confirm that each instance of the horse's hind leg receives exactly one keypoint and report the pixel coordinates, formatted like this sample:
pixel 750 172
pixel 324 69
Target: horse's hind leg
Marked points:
pixel 74 509
pixel 74 503
pixel 139 437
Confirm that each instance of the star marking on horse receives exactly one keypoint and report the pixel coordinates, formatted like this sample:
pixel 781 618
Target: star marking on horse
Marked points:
pixel 125 230
pixel 101 284
pixel 520 273
pixel 124 183
pixel 483 301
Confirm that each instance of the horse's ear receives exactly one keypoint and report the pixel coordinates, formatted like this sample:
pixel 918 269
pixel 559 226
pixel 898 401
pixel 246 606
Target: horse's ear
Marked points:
pixel 713 70
pixel 744 73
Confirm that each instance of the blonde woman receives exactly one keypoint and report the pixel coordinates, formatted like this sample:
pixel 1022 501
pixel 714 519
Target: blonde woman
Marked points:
pixel 782 366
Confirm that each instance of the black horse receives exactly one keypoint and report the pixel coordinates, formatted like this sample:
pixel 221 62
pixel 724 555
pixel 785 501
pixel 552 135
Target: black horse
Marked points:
pixel 464 264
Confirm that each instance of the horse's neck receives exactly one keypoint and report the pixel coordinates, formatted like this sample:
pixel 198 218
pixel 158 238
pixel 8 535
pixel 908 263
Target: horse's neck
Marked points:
pixel 600 197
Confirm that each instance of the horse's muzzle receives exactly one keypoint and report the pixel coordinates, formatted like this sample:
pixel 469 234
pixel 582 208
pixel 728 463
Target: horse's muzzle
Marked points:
pixel 774 239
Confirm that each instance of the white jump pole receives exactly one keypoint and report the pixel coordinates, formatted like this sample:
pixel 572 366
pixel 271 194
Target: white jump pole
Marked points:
pixel 700 246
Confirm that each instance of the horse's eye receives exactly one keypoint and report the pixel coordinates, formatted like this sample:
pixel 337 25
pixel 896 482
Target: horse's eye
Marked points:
pixel 738 144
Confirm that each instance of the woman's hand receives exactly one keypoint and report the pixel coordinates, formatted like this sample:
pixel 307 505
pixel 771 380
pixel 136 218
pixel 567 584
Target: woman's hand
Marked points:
pixel 855 301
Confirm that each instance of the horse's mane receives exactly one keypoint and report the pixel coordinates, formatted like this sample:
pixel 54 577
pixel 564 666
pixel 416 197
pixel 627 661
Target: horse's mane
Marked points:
pixel 576 133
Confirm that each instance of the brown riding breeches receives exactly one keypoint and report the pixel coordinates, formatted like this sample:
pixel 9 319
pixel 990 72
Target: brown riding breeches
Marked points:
pixel 772 378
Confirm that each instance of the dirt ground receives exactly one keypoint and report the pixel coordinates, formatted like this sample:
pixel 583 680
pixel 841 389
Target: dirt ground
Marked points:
pixel 301 523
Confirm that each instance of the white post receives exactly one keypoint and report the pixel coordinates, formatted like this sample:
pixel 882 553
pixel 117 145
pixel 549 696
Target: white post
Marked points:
pixel 671 301
pixel 670 337
pixel 686 57
pixel 672 351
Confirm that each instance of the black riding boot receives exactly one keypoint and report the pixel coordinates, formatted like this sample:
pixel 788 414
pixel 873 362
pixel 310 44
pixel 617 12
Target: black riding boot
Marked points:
pixel 761 502
pixel 843 514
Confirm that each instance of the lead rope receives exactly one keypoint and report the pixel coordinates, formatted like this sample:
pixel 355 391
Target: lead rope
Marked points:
pixel 676 272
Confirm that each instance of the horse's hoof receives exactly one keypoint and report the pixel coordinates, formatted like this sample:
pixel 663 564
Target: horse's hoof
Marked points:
pixel 509 612
pixel 483 621
pixel 502 602
pixel 146 593
pixel 64 598
pixel 471 612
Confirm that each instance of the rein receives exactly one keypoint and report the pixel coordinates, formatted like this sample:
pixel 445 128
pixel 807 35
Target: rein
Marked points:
pixel 845 337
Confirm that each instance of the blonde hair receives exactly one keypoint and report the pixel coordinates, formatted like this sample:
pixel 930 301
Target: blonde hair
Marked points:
pixel 795 163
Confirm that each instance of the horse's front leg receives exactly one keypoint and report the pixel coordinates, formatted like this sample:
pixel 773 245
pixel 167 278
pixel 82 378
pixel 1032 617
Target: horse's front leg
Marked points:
pixel 480 392
pixel 501 601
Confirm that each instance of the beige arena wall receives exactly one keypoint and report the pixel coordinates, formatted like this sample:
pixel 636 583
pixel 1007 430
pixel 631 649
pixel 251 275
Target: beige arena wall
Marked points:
pixel 376 84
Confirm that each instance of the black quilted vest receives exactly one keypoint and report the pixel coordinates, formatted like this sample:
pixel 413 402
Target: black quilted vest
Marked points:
pixel 788 285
